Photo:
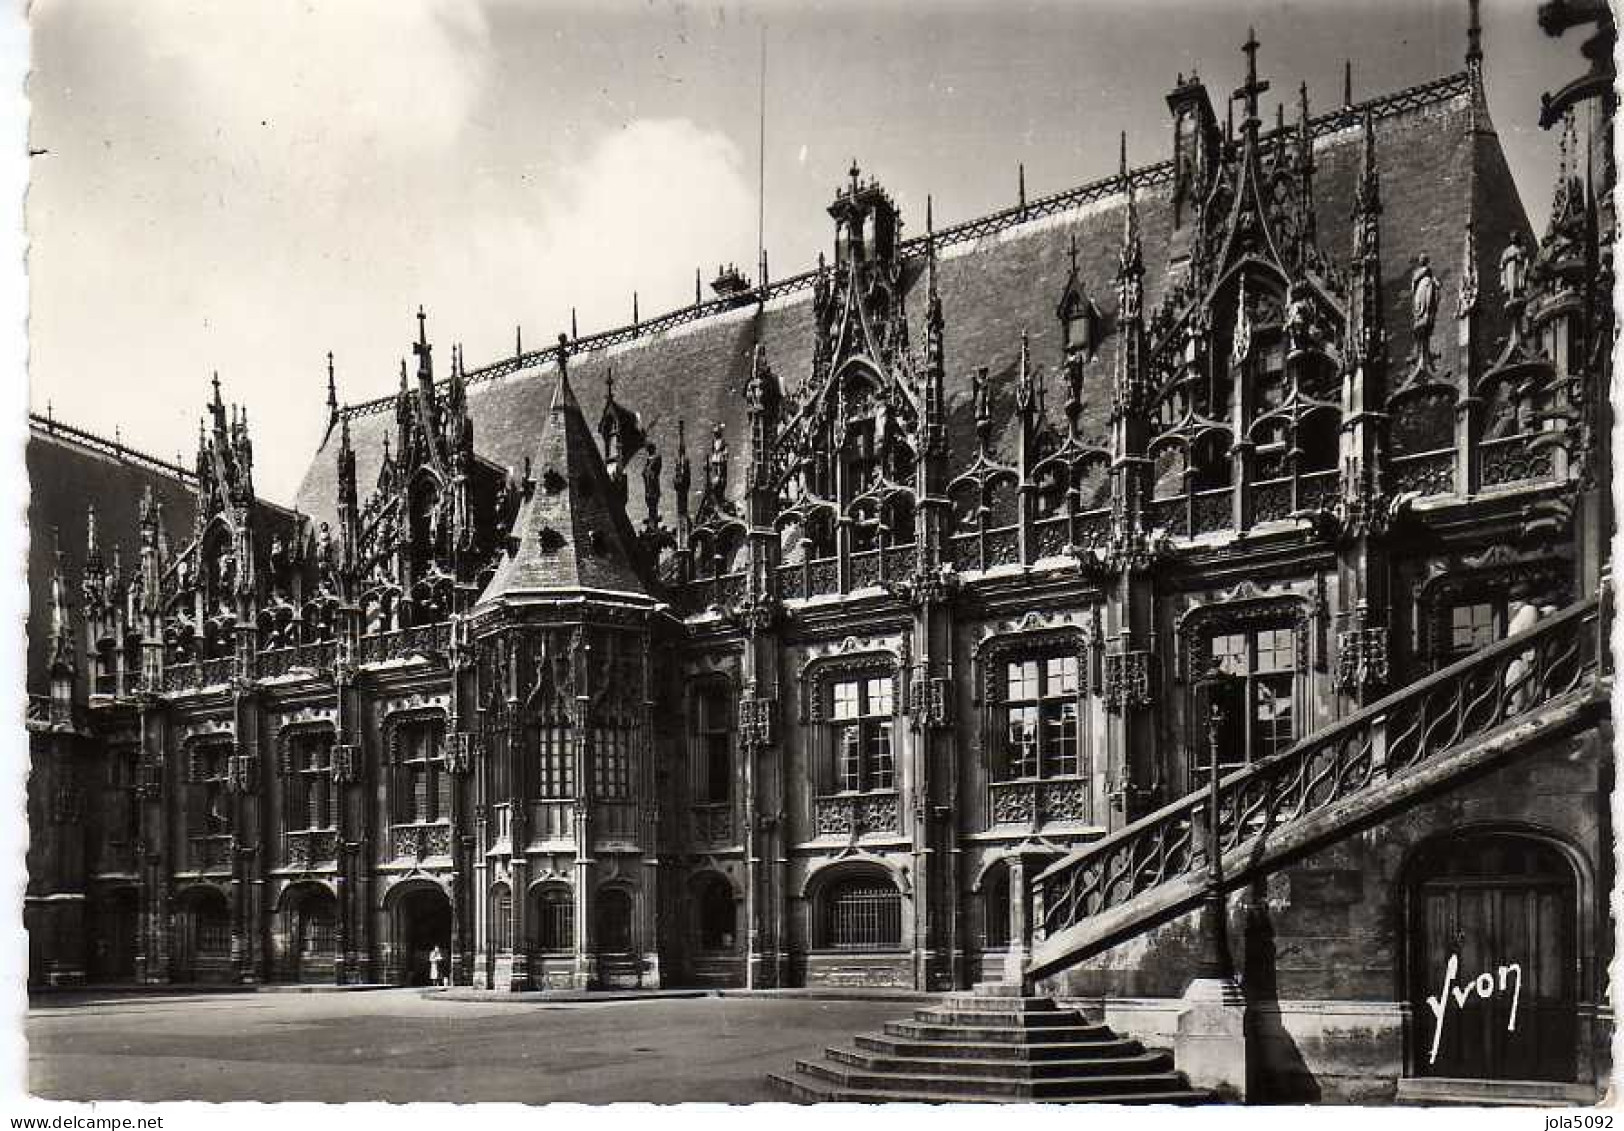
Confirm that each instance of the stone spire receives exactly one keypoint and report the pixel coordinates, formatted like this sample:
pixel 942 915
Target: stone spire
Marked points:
pixel 572 535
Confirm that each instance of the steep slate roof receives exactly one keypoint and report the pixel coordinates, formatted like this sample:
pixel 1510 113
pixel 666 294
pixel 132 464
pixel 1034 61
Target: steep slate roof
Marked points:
pixel 572 534
pixel 67 471
pixel 1005 272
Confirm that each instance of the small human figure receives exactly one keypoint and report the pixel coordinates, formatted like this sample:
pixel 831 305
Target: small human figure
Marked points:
pixel 1423 305
pixel 436 958
pixel 652 466
pixel 1514 268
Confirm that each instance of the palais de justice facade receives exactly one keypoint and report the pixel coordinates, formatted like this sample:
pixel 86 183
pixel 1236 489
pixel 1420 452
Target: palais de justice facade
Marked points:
pixel 883 625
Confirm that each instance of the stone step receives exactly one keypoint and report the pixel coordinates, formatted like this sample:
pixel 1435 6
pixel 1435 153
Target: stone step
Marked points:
pixel 998 1050
pixel 1003 1069
pixel 848 1077
pixel 939 1029
pixel 996 989
pixel 1011 1004
pixel 806 1090
pixel 992 1018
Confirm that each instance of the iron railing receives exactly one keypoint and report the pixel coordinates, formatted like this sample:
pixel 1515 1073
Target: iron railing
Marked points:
pixel 1387 740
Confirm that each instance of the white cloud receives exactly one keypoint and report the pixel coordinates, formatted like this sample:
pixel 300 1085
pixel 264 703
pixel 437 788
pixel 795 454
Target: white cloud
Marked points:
pixel 384 74
pixel 640 211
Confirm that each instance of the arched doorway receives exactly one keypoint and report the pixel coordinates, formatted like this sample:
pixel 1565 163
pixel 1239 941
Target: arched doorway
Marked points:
pixel 716 915
pixel 613 920
pixel 1493 915
pixel 116 936
pixel 203 951
pixel 311 925
pixel 422 922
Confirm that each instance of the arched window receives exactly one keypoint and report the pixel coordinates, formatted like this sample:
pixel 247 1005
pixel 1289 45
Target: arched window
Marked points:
pixel 995 907
pixel 501 917
pixel 316 925
pixel 552 919
pixel 614 921
pixel 717 914
pixel 862 912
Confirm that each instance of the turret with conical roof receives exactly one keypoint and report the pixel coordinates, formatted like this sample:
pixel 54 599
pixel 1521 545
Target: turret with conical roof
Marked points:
pixel 572 535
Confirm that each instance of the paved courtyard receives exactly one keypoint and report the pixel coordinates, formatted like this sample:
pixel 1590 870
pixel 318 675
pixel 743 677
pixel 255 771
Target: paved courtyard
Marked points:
pixel 395 1045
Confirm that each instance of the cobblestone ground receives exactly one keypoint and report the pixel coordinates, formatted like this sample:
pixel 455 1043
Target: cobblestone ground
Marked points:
pixel 393 1045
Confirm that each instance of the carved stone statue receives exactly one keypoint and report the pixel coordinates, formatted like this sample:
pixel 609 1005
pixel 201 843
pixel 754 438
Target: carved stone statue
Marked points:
pixel 652 466
pixel 1423 305
pixel 326 558
pixel 1299 319
pixel 1514 268
pixel 716 464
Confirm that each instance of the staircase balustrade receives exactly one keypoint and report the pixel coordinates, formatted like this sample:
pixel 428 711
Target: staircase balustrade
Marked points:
pixel 1393 737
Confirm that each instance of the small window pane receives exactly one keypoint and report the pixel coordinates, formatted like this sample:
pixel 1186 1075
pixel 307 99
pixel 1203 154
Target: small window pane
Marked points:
pixel 879 696
pixel 846 700
pixel 1023 681
pixel 1023 742
pixel 1062 675
pixel 850 747
pixel 1471 626
pixel 880 765
pixel 1230 652
pixel 1060 738
pixel 1275 649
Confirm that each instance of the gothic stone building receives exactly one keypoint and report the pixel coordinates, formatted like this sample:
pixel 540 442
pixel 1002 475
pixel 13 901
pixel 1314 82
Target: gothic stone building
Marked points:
pixel 885 625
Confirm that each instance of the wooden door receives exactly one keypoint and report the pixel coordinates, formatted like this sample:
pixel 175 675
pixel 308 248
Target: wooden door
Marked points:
pixel 1502 908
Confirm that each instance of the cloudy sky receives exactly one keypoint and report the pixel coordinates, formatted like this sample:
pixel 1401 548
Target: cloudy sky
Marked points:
pixel 243 186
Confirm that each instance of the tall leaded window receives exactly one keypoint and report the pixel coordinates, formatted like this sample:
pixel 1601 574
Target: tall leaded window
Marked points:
pixel 122 812
pixel 713 744
pixel 423 788
pixel 1040 730
pixel 309 795
pixel 612 763
pixel 1264 662
pixel 210 812
pixel 555 761
pixel 861 726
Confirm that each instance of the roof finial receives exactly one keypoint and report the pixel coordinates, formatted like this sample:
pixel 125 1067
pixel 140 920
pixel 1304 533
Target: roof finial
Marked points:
pixel 930 216
pixel 696 286
pixel 1020 172
pixel 1122 154
pixel 635 319
pixel 332 384
pixel 422 326
pixel 1072 251
pixel 1347 82
pixel 854 171
pixel 1252 87
pixel 518 341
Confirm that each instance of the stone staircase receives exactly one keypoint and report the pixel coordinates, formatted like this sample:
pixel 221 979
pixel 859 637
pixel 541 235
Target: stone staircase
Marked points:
pixel 991 1046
